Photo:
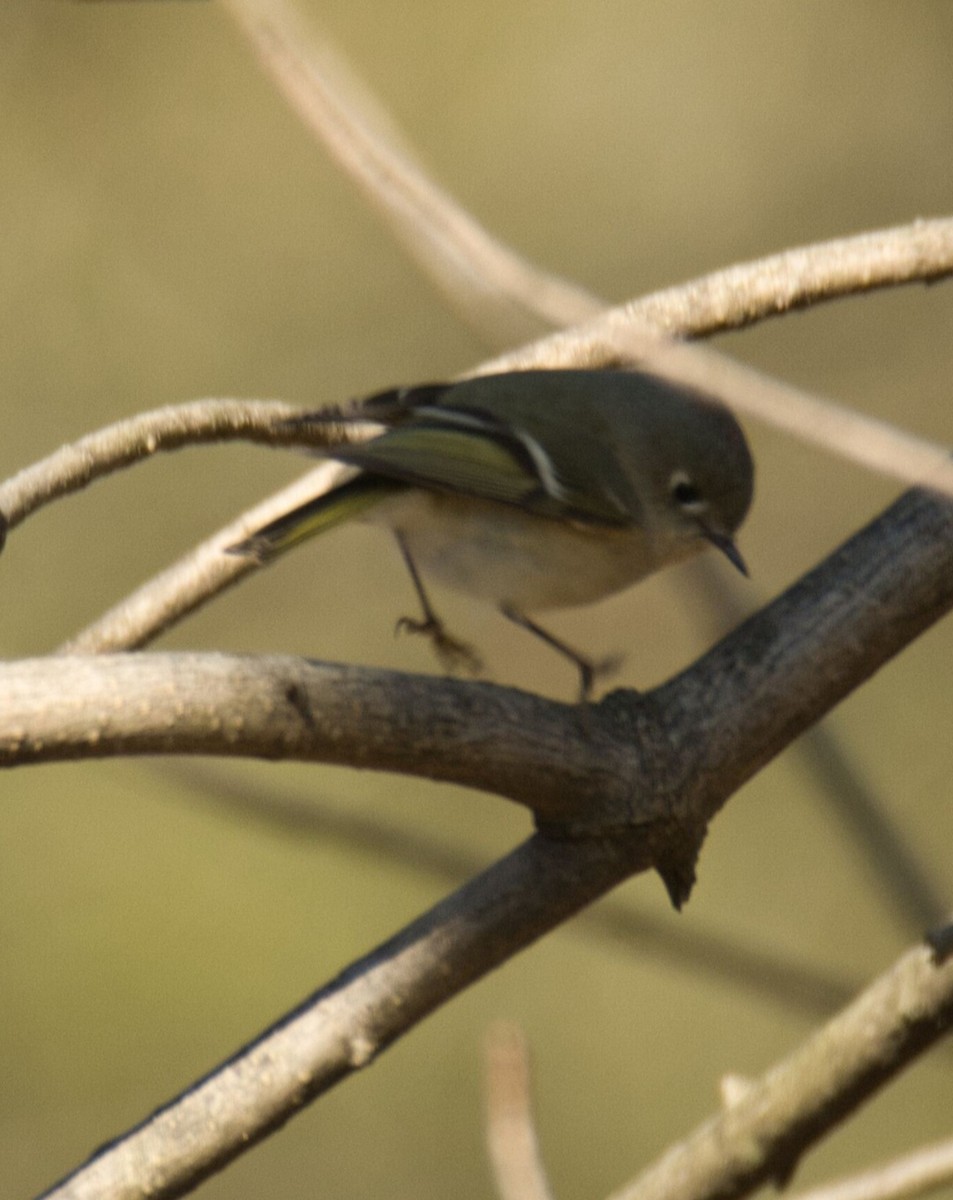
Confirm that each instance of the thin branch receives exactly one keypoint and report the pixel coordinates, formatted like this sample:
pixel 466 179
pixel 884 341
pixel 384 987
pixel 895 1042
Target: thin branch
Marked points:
pixel 496 287
pixel 487 278
pixel 748 293
pixel 762 1135
pixel 914 1174
pixel 198 577
pixel 137 438
pixel 510 1130
pixel 204 572
pixel 502 295
pixel 617 337
pixel 803 277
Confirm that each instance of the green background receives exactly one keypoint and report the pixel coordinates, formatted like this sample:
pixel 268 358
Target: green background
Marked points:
pixel 168 231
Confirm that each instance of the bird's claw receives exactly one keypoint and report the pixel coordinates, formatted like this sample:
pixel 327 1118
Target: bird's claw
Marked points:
pixel 453 654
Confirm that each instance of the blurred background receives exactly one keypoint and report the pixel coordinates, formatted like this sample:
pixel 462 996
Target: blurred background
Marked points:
pixel 169 231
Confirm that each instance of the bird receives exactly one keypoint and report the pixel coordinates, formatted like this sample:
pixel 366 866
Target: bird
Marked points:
pixel 533 490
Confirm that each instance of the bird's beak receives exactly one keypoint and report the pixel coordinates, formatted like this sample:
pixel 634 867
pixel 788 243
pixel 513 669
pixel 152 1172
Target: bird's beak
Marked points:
pixel 727 547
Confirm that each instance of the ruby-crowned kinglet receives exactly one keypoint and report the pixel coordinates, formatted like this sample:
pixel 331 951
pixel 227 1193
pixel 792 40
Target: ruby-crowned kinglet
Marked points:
pixel 535 489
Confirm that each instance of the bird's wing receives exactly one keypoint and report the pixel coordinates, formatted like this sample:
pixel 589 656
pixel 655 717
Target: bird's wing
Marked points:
pixel 475 452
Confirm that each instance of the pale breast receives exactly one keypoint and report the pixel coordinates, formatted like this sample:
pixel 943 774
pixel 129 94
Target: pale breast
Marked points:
pixel 505 556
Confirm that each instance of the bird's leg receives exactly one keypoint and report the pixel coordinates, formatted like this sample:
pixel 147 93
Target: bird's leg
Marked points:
pixel 589 671
pixel 454 655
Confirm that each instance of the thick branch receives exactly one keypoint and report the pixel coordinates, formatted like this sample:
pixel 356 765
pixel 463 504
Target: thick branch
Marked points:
pixel 343 1027
pixel 680 750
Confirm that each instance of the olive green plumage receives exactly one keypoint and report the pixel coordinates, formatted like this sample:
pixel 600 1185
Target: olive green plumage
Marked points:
pixel 536 489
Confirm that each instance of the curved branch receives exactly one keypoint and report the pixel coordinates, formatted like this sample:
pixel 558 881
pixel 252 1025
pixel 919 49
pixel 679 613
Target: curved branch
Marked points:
pixel 500 294
pixel 750 292
pixel 743 295
pixel 618 333
pixel 127 442
pixel 204 572
pixel 740 295
pixel 503 294
pixel 914 1174
pixel 772 678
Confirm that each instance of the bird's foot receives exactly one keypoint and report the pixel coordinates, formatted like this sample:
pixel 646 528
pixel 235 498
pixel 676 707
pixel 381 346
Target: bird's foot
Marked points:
pixel 455 656
pixel 590 671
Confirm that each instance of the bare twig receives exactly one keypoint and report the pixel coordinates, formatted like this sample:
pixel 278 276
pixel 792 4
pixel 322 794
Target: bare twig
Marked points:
pixel 203 573
pixel 914 1174
pixel 200 576
pixel 751 292
pixel 510 1131
pixel 763 1134
pixel 504 297
pixel 206 570
pixel 803 277
pixel 453 249
pixel 127 442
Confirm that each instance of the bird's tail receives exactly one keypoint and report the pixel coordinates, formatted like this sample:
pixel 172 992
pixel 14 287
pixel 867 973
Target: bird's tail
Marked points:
pixel 316 516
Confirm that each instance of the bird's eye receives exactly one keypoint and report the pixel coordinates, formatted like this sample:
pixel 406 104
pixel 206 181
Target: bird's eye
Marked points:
pixel 684 492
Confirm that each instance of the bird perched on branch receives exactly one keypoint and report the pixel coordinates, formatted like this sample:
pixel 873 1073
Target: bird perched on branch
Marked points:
pixel 534 490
